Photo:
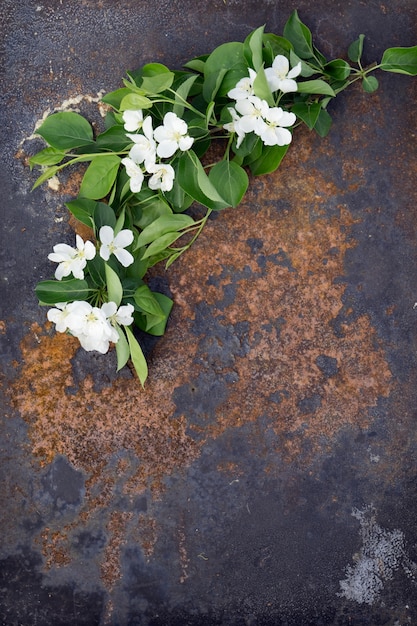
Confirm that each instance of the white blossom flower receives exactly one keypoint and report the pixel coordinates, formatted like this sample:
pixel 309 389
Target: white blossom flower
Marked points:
pixel 244 87
pixel 253 111
pixel 91 327
pixel 59 316
pixel 72 260
pixel 116 244
pixel 163 176
pixel 234 126
pixel 121 315
pixel 172 135
pixel 135 174
pixel 132 120
pixel 144 150
pixel 274 133
pixel 279 76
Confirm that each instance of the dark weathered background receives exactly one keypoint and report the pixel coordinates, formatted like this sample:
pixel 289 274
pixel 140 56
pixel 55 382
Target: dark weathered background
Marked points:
pixel 267 474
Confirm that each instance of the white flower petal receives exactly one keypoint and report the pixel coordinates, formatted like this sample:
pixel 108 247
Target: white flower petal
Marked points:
pixel 124 257
pixel 106 234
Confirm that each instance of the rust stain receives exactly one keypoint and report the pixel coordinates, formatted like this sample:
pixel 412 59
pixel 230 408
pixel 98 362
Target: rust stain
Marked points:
pixel 290 303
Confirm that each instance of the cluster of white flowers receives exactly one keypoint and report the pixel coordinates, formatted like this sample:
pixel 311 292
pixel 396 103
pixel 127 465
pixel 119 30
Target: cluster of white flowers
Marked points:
pixel 252 114
pixel 94 327
pixel 73 260
pixel 152 145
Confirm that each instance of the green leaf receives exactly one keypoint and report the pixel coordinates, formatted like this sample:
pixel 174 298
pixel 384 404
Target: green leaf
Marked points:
pixel 307 112
pixel 269 160
pixel 146 301
pixel 300 36
pixel 315 87
pixel 226 57
pixel 48 156
pixel 307 70
pixel 100 176
pixel 252 48
pixel 46 175
pixel 97 271
pixel 323 124
pixel 231 179
pixel 114 286
pixel 337 69
pixel 197 64
pixel 156 78
pixel 83 210
pixel 274 45
pixel 66 130
pixel 162 225
pixel 400 61
pixel 355 49
pixel 155 325
pixel 104 216
pixel 195 182
pixel 261 87
pixel 212 84
pixel 114 98
pixel 134 101
pixel 161 244
pixel 122 349
pixel 150 207
pixel 55 291
pixel 137 356
pixel 181 94
pixel 370 84
pixel 114 139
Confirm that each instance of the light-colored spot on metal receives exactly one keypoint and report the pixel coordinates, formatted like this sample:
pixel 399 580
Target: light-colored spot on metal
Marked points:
pixel 383 553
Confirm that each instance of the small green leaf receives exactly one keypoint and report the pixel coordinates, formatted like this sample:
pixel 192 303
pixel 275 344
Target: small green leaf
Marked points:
pixel 181 94
pixel 355 49
pixel 114 98
pixel 300 36
pixel 323 124
pixel 46 175
pixel 100 176
pixel 197 64
pixel 261 87
pixel 104 216
pixel 48 156
pixel 253 48
pixel 134 101
pixel 114 139
pixel 163 224
pixel 97 271
pixel 195 182
pixel 370 84
pixel 122 349
pixel 161 244
pixel 66 130
pixel 269 160
pixel 156 78
pixel 315 87
pixel 231 179
pixel 400 61
pixel 307 112
pixel 137 356
pixel 155 324
pixel 337 69
pixel 83 210
pixel 54 291
pixel 114 286
pixel 147 302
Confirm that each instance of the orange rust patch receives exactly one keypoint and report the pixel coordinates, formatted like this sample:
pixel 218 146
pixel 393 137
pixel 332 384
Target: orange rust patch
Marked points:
pixel 2 327
pixel 297 287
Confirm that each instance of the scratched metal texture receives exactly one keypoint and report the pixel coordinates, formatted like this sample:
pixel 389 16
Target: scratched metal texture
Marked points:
pixel 267 473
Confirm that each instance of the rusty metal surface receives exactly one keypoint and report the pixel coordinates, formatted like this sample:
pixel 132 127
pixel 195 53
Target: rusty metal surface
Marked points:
pixel 267 474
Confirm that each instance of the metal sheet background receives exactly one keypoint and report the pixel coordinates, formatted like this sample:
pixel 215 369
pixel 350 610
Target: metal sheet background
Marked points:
pixel 266 475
